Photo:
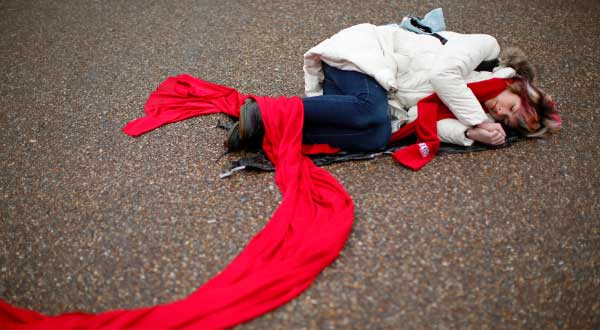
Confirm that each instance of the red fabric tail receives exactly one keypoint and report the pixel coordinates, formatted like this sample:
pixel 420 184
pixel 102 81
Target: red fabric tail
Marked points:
pixel 305 234
pixel 182 97
pixel 314 149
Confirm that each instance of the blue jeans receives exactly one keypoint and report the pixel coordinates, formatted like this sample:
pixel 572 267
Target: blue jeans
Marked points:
pixel 352 113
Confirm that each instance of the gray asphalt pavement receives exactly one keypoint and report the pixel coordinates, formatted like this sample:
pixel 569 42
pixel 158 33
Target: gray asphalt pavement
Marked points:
pixel 91 219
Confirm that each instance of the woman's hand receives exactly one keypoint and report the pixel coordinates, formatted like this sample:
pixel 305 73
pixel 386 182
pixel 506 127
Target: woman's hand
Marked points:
pixel 488 133
pixel 492 127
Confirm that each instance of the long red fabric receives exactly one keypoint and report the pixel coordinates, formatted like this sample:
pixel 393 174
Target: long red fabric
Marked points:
pixel 304 235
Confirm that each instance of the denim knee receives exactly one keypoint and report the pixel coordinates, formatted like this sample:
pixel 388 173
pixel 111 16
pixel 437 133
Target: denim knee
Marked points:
pixel 374 114
pixel 382 135
pixel 374 138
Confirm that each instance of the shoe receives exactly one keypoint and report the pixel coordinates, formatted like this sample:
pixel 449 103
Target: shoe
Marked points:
pixel 233 141
pixel 251 125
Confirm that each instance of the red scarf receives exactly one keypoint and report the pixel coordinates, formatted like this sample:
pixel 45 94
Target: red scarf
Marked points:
pixel 304 235
pixel 430 110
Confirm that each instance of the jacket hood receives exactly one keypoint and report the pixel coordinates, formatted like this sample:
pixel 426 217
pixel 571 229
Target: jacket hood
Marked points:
pixel 514 57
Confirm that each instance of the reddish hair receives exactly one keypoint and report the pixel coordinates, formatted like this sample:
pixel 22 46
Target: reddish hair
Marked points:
pixel 538 113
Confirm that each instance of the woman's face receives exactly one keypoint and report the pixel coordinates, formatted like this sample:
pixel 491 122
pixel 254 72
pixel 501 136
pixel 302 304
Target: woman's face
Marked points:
pixel 505 108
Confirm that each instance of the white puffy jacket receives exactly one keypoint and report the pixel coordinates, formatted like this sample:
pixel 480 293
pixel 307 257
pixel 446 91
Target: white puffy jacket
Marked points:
pixel 410 67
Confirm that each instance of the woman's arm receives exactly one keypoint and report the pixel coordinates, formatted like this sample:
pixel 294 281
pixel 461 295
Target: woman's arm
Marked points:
pixel 313 75
pixel 453 131
pixel 458 58
pixel 492 134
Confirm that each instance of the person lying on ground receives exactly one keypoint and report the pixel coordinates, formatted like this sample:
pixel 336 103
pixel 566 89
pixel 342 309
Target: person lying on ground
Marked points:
pixel 364 83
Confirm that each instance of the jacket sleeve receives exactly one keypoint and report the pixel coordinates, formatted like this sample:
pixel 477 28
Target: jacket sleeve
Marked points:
pixel 453 131
pixel 313 74
pixel 364 47
pixel 449 130
pixel 458 58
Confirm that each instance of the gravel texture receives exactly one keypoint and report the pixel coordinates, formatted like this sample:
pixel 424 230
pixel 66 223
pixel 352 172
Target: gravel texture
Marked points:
pixel 91 219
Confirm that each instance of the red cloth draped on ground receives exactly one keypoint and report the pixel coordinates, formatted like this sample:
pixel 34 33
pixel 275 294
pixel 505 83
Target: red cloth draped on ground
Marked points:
pixel 430 110
pixel 305 234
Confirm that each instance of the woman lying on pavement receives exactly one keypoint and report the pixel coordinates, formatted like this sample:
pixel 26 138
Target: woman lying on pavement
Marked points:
pixel 363 85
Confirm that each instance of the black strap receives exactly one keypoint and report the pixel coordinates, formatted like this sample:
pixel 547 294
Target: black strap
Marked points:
pixel 483 66
pixel 488 65
pixel 415 22
pixel 440 38
pixel 427 30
